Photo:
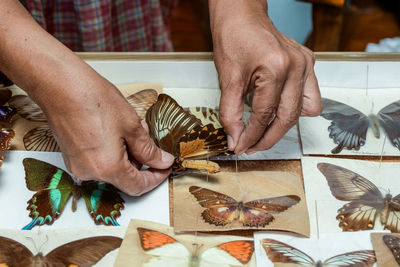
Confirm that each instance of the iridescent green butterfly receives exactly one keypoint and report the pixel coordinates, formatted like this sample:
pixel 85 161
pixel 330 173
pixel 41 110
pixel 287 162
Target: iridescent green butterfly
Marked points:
pixel 54 186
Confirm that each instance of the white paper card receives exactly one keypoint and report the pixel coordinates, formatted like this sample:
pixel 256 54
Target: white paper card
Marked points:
pixel 153 206
pixel 323 206
pixel 315 136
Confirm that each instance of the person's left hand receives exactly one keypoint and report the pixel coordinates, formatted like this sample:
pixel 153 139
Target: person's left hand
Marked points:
pixel 252 55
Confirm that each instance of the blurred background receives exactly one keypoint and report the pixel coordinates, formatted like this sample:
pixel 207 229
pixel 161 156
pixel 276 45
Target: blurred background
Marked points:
pixel 322 25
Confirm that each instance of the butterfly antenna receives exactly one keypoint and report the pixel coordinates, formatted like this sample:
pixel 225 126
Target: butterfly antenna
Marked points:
pixel 33 242
pixel 383 146
pixel 367 79
pixel 44 243
pixel 316 218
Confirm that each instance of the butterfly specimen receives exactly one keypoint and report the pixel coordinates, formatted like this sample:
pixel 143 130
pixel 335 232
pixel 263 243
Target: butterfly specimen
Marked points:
pixel 54 186
pixel 366 201
pixel 222 209
pixel 7 113
pixel 42 139
pixel 83 252
pixel 279 252
pixel 167 251
pixel 393 243
pixel 349 126
pixel 184 136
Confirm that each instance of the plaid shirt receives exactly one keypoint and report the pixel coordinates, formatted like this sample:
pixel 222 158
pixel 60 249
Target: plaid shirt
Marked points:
pixel 106 25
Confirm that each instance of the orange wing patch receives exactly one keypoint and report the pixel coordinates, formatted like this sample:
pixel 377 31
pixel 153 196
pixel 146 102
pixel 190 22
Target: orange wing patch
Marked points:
pixel 242 250
pixel 208 166
pixel 150 239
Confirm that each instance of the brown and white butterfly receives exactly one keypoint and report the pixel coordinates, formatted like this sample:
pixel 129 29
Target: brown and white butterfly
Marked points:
pixel 279 252
pixel 393 243
pixel 165 250
pixel 366 200
pixel 222 209
pixel 185 136
pixel 42 139
pixel 83 252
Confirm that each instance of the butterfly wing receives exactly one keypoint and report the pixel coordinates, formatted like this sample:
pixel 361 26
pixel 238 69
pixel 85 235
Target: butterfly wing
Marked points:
pixel 349 126
pixel 242 250
pixel 206 115
pixel 53 186
pixel 258 213
pixel 102 201
pixel 163 249
pixel 220 209
pixel 27 108
pixel 41 139
pixel 83 252
pixel 168 122
pixel 4 81
pixel 6 135
pixel 142 101
pixel 279 252
pixel 360 258
pixel 393 243
pixel 5 96
pixel 12 252
pixel 203 142
pixel 389 118
pixel 393 216
pixel 367 200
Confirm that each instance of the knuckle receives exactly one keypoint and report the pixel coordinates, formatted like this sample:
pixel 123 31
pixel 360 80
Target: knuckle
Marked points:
pixel 265 115
pixel 291 119
pixel 299 60
pixel 280 64
pixel 148 149
pixel 314 109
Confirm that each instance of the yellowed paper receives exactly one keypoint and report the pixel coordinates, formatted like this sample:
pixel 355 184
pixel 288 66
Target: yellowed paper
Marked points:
pixel 242 187
pixel 180 249
pixel 384 255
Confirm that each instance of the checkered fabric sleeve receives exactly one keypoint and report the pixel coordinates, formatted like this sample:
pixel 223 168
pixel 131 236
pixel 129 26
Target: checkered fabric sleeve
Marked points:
pixel 106 25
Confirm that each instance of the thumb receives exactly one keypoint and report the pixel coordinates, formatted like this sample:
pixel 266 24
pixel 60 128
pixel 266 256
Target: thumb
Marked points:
pixel 231 112
pixel 145 151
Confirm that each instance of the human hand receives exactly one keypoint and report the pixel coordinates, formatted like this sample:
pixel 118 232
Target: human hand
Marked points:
pixel 252 55
pixel 99 133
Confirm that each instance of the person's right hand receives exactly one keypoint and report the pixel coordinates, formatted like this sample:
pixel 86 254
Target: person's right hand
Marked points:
pixel 99 133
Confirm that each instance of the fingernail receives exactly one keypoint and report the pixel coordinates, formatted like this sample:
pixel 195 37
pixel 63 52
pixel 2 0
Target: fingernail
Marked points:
pixel 166 157
pixel 231 144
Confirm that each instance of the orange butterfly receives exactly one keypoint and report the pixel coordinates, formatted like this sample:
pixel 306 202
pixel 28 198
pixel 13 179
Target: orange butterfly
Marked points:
pixel 42 139
pixel 164 250
pixel 185 136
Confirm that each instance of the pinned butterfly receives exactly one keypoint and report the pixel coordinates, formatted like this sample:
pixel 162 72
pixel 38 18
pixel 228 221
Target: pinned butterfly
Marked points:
pixel 279 252
pixel 164 250
pixel 82 252
pixel 54 186
pixel 6 116
pixel 366 200
pixel 191 140
pixel 222 209
pixel 349 126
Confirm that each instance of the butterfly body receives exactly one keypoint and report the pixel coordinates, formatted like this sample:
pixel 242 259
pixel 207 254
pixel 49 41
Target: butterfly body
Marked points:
pixel 222 209
pixel 54 186
pixel 366 200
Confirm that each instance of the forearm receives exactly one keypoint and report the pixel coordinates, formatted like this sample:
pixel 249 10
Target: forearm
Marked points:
pixel 36 61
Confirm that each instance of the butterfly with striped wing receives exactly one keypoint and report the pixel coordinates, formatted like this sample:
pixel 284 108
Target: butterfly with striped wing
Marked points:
pixel 222 209
pixel 279 252
pixel 366 201
pixel 41 138
pixel 53 188
pixel 349 126
pixel 83 252
pixel 165 250
pixel 185 136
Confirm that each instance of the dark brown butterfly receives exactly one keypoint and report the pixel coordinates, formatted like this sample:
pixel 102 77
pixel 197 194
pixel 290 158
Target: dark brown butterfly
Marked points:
pixel 184 136
pixel 349 126
pixel 222 209
pixel 366 201
pixel 393 243
pixel 42 139
pixel 279 252
pixel 83 252
pixel 168 251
